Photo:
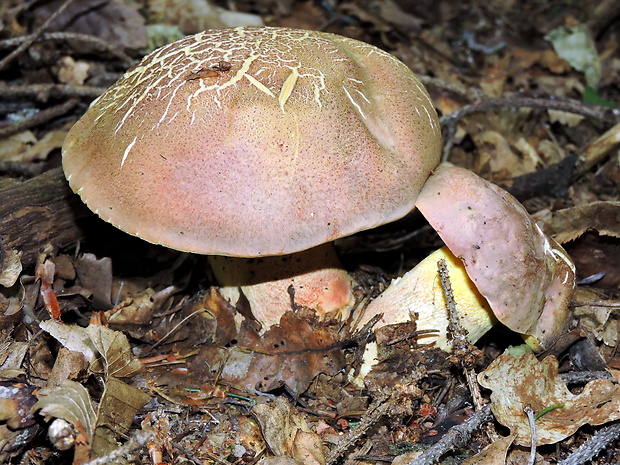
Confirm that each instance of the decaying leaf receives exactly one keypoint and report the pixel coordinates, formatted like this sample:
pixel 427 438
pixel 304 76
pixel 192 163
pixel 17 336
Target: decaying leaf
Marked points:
pixel 11 268
pixel 12 353
pixel 575 45
pixel 494 454
pixel 113 347
pixel 117 409
pixel 106 349
pixel 519 382
pixel 16 401
pixel 96 275
pixel 71 402
pixel 73 337
pixel 290 354
pixel 570 223
pixel 199 15
pixel 287 433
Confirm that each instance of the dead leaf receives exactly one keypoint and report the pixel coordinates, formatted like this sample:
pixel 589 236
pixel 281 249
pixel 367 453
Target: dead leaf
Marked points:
pixel 494 454
pixel 96 275
pixel 71 402
pixel 519 382
pixel 13 146
pixel 12 354
pixel 16 401
pixel 116 412
pixel 11 268
pixel 567 224
pixel 193 16
pixel 287 433
pixel 72 72
pixel 117 22
pixel 116 357
pixel 290 354
pixel 107 350
pixel 73 337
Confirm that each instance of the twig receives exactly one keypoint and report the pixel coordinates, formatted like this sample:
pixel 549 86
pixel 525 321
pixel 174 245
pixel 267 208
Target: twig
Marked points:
pixel 86 38
pixel 39 118
pixel 464 352
pixel 455 438
pixel 591 448
pixel 530 417
pixel 378 408
pixel 597 112
pixel 32 37
pixel 43 92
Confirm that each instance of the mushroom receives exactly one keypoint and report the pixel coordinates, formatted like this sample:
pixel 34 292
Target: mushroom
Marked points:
pixel 256 142
pixel 259 146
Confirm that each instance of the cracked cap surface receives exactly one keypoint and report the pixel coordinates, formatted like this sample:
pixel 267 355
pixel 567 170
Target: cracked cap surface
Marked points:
pixel 255 141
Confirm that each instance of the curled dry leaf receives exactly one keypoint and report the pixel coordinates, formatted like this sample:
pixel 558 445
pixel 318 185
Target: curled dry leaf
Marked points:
pixel 570 223
pixel 494 454
pixel 116 356
pixel 290 354
pixel 287 433
pixel 71 402
pixel 519 382
pixel 11 268
pixel 106 349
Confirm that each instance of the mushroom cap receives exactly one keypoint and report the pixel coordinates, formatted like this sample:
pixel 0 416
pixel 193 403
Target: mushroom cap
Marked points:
pixel 526 277
pixel 255 141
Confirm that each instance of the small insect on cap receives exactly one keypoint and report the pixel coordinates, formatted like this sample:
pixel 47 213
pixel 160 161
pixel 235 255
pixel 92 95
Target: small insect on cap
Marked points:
pixel 255 141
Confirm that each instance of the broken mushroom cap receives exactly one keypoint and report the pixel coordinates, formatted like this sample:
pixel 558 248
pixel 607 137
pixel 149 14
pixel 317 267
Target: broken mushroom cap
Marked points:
pixel 526 277
pixel 255 141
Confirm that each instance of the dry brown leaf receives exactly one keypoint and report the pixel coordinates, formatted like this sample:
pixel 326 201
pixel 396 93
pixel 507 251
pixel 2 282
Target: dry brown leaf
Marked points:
pixel 11 268
pixel 116 356
pixel 568 224
pixel 494 454
pixel 73 337
pixel 287 433
pixel 71 402
pixel 96 275
pixel 291 354
pixel 136 309
pixel 12 354
pixel 117 409
pixel 107 350
pixel 519 382
pixel 16 401
pixel 42 148
pixel 118 22
pixel 13 146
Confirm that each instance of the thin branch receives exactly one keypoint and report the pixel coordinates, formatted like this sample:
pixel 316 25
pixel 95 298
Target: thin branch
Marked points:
pixel 39 118
pixel 454 438
pixel 43 92
pixel 593 446
pixel 588 110
pixel 32 37
pixel 61 36
pixel 378 408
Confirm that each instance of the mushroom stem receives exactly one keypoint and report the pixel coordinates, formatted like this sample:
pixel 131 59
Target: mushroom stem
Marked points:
pixel 418 296
pixel 312 278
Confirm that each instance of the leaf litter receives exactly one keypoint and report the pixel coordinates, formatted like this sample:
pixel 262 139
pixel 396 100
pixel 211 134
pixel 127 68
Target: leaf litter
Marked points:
pixel 214 388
